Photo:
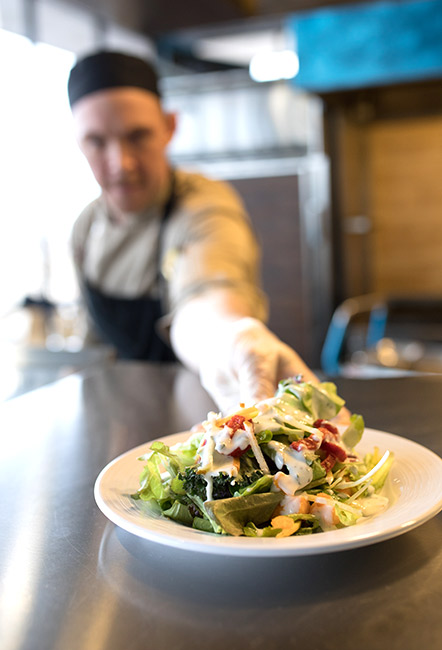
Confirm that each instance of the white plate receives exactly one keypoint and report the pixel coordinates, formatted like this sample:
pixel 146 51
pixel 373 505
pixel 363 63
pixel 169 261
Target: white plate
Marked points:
pixel 415 479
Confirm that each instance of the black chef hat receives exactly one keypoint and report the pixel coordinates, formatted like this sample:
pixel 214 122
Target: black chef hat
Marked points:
pixel 110 70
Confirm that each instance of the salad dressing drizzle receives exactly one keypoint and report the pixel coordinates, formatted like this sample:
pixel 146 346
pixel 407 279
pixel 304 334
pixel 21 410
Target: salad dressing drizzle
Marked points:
pixel 300 473
pixel 215 449
pixel 322 487
pixel 274 411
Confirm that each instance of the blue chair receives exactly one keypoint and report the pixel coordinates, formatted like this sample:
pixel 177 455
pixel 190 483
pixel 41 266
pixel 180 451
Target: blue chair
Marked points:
pixel 362 323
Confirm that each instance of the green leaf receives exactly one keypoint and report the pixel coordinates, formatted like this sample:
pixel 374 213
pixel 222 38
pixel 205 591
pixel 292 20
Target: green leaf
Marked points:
pixel 159 461
pixel 353 433
pixel 202 524
pixel 290 391
pixel 253 531
pixel 325 402
pixel 151 483
pixel 180 513
pixel 263 436
pixel 174 464
pixel 177 486
pixel 207 515
pixel 305 517
pixel 158 490
pixel 378 479
pixel 262 484
pixel 233 514
pixel 318 471
pixel 345 517
pixel 294 435
pixel 309 524
pixel 186 451
pixel 320 400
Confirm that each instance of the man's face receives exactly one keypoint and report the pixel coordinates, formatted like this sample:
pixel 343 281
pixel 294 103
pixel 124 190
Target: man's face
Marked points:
pixel 124 135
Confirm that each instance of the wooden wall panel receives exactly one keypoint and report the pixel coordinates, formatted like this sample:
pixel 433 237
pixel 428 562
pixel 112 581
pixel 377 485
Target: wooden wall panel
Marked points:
pixel 405 203
pixel 385 148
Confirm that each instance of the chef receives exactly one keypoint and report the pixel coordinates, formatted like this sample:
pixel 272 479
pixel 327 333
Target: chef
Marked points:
pixel 167 260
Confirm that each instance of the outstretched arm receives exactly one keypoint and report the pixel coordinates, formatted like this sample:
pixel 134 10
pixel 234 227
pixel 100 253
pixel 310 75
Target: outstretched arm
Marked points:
pixel 236 356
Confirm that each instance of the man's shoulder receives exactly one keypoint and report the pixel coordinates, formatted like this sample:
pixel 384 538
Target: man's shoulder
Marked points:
pixel 91 210
pixel 200 190
pixel 87 216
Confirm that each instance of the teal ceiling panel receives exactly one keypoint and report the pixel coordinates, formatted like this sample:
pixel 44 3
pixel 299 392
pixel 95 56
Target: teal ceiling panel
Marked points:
pixel 369 44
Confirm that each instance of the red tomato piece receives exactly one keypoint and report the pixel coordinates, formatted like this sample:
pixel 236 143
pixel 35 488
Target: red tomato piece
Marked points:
pixel 239 452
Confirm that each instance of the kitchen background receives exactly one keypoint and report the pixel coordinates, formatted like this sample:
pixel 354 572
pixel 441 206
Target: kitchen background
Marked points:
pixel 326 116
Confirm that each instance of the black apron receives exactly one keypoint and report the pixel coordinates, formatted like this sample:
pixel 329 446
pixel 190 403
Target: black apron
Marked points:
pixel 129 324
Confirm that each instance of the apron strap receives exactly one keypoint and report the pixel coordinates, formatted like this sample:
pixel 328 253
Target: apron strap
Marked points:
pixel 129 324
pixel 167 211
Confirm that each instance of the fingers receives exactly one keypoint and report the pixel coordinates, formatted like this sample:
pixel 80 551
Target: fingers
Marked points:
pixel 291 365
pixel 257 374
pixel 247 364
pixel 223 388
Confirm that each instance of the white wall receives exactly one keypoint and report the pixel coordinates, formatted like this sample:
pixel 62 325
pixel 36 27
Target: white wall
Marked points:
pixel 44 177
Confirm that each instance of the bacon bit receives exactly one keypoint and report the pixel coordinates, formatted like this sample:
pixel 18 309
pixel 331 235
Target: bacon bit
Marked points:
pixel 236 422
pixel 329 443
pixel 334 450
pixel 328 463
pixel 248 413
pixel 326 427
pixel 311 442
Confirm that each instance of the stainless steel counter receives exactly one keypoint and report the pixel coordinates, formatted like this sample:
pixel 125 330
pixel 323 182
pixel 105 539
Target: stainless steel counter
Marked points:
pixel 69 579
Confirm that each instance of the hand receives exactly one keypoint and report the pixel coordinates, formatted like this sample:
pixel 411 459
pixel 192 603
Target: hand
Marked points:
pixel 246 364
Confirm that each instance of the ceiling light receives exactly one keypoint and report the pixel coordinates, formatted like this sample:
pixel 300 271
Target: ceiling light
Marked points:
pixel 271 66
pixel 238 49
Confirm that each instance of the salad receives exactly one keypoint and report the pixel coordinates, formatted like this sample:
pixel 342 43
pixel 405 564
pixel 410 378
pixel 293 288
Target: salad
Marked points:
pixel 279 468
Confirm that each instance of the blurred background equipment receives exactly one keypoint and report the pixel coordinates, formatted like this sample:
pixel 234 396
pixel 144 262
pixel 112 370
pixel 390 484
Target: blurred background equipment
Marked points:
pixel 325 115
pixel 376 335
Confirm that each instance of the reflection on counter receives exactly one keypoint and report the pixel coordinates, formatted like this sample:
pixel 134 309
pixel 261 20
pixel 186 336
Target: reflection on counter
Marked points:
pixel 40 343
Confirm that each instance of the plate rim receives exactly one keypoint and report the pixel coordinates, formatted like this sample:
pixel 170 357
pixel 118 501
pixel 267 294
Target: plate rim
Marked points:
pixel 181 537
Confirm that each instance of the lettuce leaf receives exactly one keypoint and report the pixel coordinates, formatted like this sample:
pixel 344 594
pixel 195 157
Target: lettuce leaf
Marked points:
pixel 180 513
pixel 345 516
pixel 353 433
pixel 311 525
pixel 186 451
pixel 253 531
pixel 320 400
pixel 154 485
pixel 378 479
pixel 234 513
pixel 203 524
